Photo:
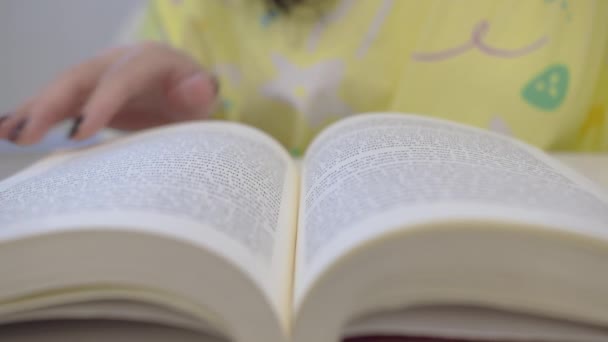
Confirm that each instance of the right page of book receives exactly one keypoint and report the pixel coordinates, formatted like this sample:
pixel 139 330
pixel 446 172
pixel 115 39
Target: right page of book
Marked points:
pixel 376 171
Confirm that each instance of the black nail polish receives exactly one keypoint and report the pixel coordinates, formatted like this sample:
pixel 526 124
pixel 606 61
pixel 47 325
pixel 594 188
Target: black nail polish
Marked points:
pixel 16 132
pixel 75 127
pixel 216 85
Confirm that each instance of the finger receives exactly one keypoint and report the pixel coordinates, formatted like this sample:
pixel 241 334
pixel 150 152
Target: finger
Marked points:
pixel 138 72
pixel 138 119
pixel 194 96
pixel 191 98
pixel 12 124
pixel 62 99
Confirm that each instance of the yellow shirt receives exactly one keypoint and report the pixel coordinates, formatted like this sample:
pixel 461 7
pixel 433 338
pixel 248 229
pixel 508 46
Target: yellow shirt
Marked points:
pixel 533 69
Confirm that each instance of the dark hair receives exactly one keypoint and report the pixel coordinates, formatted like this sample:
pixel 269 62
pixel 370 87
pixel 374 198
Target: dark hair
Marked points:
pixel 284 5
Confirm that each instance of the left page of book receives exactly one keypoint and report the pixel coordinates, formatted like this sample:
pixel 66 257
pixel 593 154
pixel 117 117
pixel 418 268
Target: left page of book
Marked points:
pixel 223 187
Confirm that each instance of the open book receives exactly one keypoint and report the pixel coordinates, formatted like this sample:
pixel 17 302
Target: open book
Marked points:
pixel 392 225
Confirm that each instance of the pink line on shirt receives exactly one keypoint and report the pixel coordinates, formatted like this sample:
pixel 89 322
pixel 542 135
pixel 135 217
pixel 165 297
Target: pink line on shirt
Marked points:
pixel 442 55
pixel 476 41
pixel 482 29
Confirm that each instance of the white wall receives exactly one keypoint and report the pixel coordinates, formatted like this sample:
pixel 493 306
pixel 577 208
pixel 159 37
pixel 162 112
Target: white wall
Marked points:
pixel 39 38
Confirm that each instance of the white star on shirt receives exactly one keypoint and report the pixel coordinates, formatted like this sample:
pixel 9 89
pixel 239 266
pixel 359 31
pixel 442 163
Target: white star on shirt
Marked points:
pixel 312 90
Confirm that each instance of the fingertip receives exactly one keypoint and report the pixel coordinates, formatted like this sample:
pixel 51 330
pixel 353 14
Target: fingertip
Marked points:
pixel 196 92
pixel 30 130
pixel 95 115
pixel 4 119
pixel 37 124
pixel 15 134
pixel 75 127
pixel 215 84
pixel 80 129
pixel 85 126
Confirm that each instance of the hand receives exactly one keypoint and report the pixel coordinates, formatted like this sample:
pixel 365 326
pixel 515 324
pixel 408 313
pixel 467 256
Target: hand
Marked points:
pixel 130 88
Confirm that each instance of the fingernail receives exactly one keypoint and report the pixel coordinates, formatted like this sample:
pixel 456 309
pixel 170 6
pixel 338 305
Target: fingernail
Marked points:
pixel 3 118
pixel 75 127
pixel 216 85
pixel 16 132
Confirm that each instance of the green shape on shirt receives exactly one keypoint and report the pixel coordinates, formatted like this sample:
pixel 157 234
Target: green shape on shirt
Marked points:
pixel 548 89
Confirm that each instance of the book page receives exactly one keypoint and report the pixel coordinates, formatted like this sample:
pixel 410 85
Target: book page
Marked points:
pixel 470 323
pixel 366 170
pixel 228 187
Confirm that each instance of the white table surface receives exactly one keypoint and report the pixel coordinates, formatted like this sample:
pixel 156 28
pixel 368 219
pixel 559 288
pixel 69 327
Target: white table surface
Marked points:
pixel 594 167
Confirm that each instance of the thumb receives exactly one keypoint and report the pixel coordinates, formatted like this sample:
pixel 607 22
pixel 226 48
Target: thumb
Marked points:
pixel 194 96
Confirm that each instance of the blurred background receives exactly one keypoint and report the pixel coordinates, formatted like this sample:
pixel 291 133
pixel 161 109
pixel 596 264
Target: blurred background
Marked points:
pixel 40 38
